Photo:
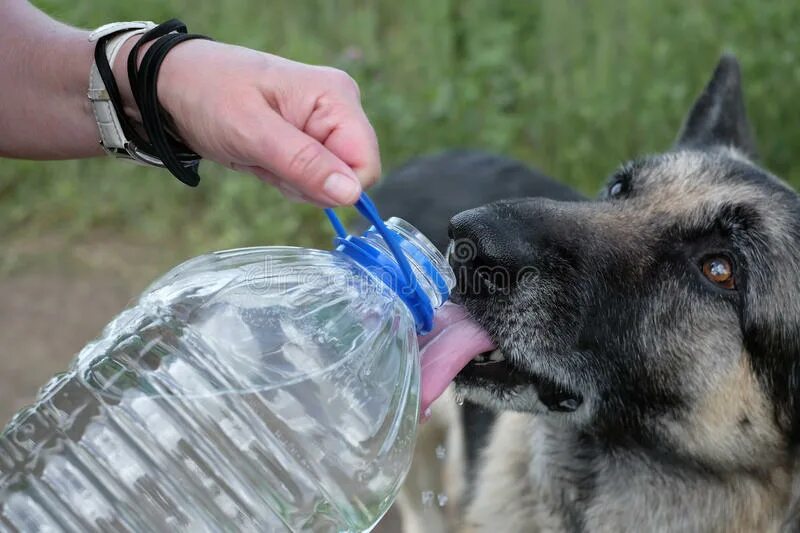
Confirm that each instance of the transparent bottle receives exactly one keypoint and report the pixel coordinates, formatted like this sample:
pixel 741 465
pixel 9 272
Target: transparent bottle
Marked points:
pixel 260 389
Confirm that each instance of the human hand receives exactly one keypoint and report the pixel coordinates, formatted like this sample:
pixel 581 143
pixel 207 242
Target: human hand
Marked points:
pixel 296 126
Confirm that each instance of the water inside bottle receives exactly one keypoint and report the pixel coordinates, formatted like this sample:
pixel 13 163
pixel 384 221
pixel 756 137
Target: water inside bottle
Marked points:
pixel 276 430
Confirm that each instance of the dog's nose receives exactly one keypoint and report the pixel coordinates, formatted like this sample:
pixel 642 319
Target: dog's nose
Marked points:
pixel 503 243
pixel 486 245
pixel 478 238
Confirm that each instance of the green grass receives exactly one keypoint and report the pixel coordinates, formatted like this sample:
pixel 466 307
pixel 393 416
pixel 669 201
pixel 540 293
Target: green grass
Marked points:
pixel 573 87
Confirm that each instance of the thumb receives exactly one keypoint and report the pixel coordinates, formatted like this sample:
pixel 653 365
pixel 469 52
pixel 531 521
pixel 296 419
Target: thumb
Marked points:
pixel 304 164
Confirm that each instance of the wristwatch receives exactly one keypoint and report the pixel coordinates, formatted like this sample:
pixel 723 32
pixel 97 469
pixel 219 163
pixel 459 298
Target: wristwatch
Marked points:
pixel 112 133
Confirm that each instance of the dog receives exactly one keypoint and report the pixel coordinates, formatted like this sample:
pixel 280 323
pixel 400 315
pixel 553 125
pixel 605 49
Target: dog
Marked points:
pixel 648 376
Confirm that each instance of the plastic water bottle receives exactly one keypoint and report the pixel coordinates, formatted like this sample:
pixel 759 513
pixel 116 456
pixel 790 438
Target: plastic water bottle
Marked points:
pixel 260 389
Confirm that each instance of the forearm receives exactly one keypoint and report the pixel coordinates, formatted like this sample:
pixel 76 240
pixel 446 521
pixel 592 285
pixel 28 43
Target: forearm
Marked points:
pixel 299 127
pixel 44 72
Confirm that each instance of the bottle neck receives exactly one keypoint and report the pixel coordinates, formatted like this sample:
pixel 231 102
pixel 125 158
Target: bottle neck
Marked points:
pixel 432 276
pixel 431 269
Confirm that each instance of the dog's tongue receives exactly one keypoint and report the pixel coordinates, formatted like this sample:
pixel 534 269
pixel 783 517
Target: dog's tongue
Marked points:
pixel 454 341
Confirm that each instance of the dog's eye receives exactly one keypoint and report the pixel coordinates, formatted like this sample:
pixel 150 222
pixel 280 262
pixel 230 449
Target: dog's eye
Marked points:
pixel 719 269
pixel 617 189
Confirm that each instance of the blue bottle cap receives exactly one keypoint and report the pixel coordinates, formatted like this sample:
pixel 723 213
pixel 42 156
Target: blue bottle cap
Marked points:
pixel 394 270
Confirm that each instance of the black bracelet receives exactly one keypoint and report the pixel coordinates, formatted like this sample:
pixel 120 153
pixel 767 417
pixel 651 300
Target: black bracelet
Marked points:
pixel 176 157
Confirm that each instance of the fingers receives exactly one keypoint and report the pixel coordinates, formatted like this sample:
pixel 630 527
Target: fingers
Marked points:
pixel 354 142
pixel 303 163
pixel 341 125
pixel 298 127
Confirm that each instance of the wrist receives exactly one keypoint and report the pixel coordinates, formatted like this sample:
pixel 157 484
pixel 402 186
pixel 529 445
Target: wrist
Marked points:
pixel 169 81
pixel 174 76
pixel 123 90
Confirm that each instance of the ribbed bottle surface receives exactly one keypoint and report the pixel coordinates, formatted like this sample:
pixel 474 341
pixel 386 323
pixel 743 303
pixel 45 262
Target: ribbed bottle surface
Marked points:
pixel 265 389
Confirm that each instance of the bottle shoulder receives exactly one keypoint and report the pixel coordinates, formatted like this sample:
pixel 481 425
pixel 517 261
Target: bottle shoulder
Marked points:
pixel 269 315
pixel 262 272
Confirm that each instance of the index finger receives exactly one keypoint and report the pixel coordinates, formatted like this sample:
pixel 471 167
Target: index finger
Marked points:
pixel 342 126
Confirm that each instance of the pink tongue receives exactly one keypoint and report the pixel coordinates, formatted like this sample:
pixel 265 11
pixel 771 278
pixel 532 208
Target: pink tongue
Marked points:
pixel 454 341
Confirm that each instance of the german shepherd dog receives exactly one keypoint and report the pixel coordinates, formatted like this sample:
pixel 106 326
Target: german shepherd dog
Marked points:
pixel 648 376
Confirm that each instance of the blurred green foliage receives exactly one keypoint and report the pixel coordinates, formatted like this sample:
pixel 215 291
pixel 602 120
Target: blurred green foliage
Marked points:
pixel 571 86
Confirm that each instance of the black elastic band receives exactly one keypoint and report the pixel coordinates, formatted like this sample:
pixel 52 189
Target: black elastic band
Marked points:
pixel 177 158
pixel 180 160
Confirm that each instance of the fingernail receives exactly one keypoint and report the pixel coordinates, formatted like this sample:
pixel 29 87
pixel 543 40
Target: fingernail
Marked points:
pixel 341 188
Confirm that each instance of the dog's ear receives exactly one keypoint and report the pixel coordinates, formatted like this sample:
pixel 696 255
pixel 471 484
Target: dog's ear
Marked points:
pixel 718 116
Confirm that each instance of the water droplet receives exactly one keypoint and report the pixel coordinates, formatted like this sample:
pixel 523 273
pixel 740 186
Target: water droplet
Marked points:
pixel 428 413
pixel 460 398
pixel 442 499
pixel 427 498
pixel 440 452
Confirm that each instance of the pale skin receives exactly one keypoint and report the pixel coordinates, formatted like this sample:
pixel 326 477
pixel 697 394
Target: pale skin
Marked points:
pixel 296 126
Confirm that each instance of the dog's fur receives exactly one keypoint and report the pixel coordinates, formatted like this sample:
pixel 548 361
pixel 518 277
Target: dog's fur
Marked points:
pixel 636 394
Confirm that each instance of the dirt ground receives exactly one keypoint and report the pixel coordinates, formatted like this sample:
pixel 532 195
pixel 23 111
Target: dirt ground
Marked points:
pixel 57 295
